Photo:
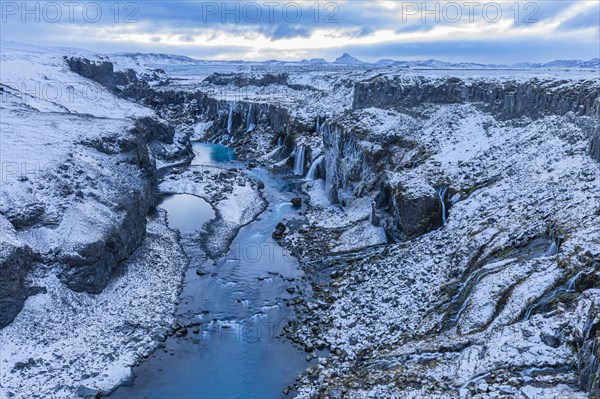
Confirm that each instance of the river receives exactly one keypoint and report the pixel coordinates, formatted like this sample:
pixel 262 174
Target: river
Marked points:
pixel 234 350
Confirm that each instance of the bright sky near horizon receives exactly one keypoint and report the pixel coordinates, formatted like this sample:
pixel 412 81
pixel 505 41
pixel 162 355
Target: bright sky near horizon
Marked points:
pixel 474 31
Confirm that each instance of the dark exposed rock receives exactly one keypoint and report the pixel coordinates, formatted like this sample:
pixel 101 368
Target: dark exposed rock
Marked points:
pixel 297 201
pixel 551 340
pixel 589 355
pixel 22 215
pixel 88 393
pixel 25 365
pixel 154 129
pixel 507 99
pixel 407 213
pixel 96 245
pixel 15 261
pixel 279 230
pixel 98 71
pixel 242 80
pixel 595 144
pixel 102 233
pixel 276 117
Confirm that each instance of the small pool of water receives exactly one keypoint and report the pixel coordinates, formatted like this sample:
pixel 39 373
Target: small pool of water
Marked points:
pixel 187 213
pixel 207 154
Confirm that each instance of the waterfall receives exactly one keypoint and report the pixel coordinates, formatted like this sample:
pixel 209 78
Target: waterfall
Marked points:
pixel 299 163
pixel 280 141
pixel 250 125
pixel 230 119
pixel 567 288
pixel 553 249
pixel 556 241
pixel 318 127
pixel 312 171
pixel 570 286
pixel 441 192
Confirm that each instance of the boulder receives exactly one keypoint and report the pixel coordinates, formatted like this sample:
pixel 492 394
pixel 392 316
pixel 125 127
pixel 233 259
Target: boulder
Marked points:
pixel 279 230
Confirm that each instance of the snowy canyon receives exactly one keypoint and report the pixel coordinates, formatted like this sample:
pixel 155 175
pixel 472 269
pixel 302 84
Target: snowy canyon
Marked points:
pixel 446 221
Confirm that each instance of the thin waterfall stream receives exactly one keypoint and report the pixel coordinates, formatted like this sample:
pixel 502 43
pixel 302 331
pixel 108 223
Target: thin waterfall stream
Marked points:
pixel 441 192
pixel 230 120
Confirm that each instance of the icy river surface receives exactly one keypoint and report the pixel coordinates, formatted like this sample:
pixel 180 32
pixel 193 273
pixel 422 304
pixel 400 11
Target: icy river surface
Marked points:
pixel 237 308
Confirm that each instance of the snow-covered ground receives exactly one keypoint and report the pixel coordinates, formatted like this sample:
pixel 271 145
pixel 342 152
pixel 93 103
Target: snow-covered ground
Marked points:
pixel 64 344
pixel 400 326
pixel 78 177
pixel 76 185
pixel 485 305
pixel 234 197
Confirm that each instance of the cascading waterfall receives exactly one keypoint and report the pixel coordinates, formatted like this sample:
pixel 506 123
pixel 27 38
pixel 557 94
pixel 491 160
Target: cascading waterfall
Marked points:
pixel 441 192
pixel 280 141
pixel 230 120
pixel 250 124
pixel 312 171
pixel 299 162
pixel 318 127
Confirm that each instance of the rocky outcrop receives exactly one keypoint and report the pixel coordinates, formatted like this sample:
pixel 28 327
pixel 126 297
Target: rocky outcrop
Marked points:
pixel 589 354
pixel 98 71
pixel 153 129
pixel 97 245
pixel 595 144
pixel 351 162
pixel 15 262
pixel 595 141
pixel 103 231
pixel 360 163
pixel 164 142
pixel 241 80
pixel 508 99
pixel 406 209
pixel 172 104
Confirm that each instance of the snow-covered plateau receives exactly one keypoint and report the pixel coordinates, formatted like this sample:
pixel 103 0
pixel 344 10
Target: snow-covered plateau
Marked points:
pixel 449 223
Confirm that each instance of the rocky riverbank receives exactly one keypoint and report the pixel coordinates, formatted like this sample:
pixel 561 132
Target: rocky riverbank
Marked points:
pixel 81 236
pixel 492 288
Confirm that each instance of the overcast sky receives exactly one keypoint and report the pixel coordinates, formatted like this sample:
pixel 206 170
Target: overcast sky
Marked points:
pixel 476 31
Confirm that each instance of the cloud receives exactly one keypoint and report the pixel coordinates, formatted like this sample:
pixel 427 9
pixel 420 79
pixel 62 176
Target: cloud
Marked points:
pixel 588 19
pixel 285 30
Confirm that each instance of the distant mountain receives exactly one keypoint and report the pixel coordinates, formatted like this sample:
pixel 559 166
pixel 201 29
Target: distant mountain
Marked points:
pixel 391 63
pixel 566 64
pixel 314 61
pixel 158 60
pixel 347 59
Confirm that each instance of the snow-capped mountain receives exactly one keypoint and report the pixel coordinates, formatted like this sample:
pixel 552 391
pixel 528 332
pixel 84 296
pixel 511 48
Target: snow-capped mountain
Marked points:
pixel 183 63
pixel 347 59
